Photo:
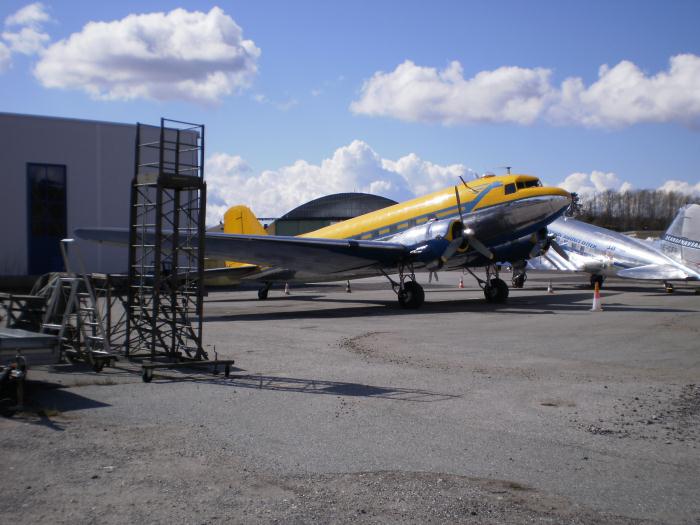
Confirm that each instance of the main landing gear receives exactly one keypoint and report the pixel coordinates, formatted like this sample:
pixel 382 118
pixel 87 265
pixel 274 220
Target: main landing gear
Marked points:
pixel 519 275
pixel 408 291
pixel 262 293
pixel 495 289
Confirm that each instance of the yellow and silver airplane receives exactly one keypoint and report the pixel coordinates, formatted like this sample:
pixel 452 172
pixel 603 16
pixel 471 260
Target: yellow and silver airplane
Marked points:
pixel 477 223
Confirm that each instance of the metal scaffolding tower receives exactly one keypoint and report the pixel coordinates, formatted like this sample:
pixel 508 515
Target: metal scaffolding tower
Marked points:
pixel 166 243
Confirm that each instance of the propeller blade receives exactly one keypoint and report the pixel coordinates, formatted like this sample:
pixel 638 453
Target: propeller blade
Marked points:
pixel 560 251
pixel 536 247
pixel 451 248
pixel 555 265
pixel 479 246
pixel 459 205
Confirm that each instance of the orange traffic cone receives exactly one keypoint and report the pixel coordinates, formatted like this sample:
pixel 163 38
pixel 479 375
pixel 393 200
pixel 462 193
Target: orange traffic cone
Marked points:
pixel 597 305
pixel 549 287
pixel 461 282
pixel 286 288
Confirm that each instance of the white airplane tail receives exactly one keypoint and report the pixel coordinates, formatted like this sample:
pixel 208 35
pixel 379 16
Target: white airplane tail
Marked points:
pixel 682 238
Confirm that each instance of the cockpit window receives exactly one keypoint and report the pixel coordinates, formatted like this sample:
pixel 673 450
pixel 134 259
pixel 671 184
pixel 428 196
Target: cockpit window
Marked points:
pixel 528 184
pixel 510 188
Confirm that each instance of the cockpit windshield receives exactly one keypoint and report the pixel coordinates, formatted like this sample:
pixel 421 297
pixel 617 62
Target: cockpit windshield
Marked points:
pixel 521 185
pixel 528 184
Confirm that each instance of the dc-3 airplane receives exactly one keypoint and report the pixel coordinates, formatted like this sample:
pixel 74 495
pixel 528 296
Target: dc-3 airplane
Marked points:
pixel 603 253
pixel 474 224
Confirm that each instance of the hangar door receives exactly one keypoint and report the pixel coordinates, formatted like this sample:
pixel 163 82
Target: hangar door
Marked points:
pixel 46 190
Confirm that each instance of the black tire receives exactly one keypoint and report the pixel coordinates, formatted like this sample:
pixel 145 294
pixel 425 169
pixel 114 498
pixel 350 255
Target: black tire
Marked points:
pixel 227 370
pixel 412 296
pixel 147 375
pixel 496 291
pixel 597 279
pixel 262 293
pixel 98 365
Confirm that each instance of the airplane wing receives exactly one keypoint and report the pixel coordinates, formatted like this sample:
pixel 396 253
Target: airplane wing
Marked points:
pixel 654 271
pixel 303 254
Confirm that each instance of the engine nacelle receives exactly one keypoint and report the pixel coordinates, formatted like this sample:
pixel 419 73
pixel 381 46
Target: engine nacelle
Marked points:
pixel 434 229
pixel 429 241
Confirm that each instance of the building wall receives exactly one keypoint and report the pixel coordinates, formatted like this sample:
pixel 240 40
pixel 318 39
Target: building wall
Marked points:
pixel 99 160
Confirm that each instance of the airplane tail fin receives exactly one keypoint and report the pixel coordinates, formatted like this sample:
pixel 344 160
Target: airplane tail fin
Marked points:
pixel 240 219
pixel 682 238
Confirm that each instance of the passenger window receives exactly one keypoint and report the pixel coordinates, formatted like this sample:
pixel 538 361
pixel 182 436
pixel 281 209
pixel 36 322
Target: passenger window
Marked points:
pixel 510 188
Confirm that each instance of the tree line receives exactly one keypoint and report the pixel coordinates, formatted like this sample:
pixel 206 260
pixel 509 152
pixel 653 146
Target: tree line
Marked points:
pixel 632 210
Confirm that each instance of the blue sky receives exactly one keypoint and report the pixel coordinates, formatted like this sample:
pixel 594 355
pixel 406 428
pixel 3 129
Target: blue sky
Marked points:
pixel 334 96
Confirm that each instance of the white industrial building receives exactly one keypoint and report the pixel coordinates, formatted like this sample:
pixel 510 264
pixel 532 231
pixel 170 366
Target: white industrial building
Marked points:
pixel 58 174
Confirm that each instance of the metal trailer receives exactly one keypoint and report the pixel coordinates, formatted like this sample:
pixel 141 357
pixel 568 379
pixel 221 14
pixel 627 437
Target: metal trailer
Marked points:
pixel 20 349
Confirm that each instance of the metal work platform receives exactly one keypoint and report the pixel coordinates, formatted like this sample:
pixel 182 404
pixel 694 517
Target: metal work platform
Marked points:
pixel 22 310
pixel 166 247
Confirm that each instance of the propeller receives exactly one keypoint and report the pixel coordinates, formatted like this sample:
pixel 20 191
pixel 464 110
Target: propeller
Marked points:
pixel 465 236
pixel 542 241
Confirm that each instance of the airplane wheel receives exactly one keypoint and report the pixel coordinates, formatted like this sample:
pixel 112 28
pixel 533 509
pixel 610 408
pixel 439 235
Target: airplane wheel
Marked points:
pixel 412 295
pixel 669 287
pixel 262 293
pixel 597 279
pixel 496 291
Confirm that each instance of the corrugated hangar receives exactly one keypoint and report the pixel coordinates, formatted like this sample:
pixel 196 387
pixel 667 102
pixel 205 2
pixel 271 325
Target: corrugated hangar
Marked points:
pixel 327 210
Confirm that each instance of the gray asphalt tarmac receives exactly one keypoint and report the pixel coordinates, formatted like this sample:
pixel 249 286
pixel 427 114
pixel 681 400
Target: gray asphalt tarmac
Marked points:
pixel 536 409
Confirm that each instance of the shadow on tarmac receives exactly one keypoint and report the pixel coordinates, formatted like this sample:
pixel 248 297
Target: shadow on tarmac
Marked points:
pixel 538 304
pixel 44 401
pixel 317 386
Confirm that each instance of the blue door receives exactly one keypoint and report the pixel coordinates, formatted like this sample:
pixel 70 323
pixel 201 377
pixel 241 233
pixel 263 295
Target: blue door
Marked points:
pixel 46 190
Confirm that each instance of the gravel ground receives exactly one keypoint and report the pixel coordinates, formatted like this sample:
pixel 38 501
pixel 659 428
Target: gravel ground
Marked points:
pixel 347 409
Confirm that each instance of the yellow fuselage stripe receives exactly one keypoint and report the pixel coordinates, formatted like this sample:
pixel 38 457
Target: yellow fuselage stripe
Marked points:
pixel 443 203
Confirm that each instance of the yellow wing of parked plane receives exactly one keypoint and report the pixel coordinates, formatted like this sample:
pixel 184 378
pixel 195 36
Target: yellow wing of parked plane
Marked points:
pixel 472 224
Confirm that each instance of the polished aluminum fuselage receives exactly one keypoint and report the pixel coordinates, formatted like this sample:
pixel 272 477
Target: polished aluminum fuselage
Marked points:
pixel 600 251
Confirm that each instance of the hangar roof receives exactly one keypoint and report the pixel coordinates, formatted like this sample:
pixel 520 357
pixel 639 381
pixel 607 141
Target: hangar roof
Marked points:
pixel 339 206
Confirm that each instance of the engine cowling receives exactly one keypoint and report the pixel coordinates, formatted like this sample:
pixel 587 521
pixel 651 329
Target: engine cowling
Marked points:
pixel 429 242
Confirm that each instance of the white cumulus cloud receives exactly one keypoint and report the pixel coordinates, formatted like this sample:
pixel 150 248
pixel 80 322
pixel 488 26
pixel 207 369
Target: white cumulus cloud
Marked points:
pixel 24 32
pixel 623 95
pixel 186 55
pixel 30 15
pixel 424 94
pixel 355 167
pixel 28 40
pixel 5 57
pixel 586 184
pixel 680 186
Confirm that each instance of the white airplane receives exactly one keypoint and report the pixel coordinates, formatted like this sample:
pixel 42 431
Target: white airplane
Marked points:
pixel 603 253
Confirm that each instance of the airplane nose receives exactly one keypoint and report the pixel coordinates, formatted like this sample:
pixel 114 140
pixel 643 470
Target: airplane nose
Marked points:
pixel 559 202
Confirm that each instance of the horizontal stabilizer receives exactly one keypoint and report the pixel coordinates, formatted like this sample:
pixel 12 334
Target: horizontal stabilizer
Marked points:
pixel 654 271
